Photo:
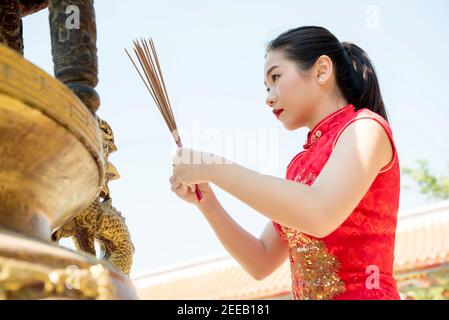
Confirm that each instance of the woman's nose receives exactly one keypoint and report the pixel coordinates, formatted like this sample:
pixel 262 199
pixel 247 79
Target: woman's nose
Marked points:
pixel 270 101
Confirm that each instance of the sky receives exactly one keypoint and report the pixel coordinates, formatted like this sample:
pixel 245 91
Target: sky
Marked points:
pixel 212 57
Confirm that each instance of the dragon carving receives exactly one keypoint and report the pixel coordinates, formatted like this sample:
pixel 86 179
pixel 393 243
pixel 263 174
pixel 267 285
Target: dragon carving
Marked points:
pixel 101 221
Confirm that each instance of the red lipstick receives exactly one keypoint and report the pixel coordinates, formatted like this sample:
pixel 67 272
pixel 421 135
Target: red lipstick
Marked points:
pixel 277 112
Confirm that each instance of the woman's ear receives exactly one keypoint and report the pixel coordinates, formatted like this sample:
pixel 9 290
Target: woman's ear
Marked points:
pixel 323 69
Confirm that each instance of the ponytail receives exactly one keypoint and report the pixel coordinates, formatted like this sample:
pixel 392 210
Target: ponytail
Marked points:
pixel 368 94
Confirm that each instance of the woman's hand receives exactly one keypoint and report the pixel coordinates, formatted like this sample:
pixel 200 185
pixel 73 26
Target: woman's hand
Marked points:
pixel 192 167
pixel 187 193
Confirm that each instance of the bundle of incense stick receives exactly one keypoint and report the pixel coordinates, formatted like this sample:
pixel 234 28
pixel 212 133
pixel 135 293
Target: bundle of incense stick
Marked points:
pixel 154 82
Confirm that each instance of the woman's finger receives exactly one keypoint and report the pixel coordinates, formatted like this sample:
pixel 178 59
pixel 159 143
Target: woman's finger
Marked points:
pixel 174 180
pixel 177 180
pixel 181 192
pixel 175 186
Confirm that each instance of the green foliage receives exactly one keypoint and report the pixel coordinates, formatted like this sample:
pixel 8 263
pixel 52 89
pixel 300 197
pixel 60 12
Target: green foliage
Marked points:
pixel 436 188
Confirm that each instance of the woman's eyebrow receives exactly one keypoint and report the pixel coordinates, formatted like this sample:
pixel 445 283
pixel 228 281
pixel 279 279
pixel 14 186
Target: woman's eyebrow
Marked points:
pixel 268 72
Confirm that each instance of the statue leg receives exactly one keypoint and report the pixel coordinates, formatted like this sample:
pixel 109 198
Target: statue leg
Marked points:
pixel 11 25
pixel 73 41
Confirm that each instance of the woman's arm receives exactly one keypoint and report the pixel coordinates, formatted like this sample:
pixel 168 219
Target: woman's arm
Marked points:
pixel 259 257
pixel 361 151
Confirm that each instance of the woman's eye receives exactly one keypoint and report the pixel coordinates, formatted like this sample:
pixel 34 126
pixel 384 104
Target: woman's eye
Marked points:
pixel 273 79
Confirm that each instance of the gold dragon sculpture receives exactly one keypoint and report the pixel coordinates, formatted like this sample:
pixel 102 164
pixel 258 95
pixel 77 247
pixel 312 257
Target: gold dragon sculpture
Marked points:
pixel 100 221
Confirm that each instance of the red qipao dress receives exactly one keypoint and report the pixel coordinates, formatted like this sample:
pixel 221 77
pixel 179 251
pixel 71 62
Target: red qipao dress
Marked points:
pixel 355 261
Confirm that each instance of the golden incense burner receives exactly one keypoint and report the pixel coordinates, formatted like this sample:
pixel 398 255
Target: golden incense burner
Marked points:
pixel 52 167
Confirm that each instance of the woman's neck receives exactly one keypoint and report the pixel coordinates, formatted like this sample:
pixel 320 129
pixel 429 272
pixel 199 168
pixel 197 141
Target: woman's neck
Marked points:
pixel 325 108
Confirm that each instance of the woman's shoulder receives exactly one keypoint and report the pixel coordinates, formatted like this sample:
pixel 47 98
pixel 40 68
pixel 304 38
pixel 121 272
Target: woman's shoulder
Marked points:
pixel 365 113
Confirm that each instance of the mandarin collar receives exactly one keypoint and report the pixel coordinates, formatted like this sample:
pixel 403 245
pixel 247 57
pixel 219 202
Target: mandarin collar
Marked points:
pixel 323 125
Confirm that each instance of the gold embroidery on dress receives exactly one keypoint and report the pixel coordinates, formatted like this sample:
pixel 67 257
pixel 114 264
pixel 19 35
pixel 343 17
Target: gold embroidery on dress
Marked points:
pixel 314 270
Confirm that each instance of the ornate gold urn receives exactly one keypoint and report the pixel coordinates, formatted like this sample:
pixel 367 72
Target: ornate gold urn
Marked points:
pixel 51 168
pixel 54 168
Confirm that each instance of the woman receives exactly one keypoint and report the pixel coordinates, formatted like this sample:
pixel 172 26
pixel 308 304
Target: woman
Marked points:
pixel 334 216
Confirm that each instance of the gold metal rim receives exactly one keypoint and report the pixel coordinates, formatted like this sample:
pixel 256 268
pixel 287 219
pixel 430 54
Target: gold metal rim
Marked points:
pixel 26 82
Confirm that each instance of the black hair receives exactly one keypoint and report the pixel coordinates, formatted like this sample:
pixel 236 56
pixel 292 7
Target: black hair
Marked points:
pixel 354 72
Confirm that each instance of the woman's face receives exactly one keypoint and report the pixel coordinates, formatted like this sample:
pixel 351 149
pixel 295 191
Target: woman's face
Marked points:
pixel 292 93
